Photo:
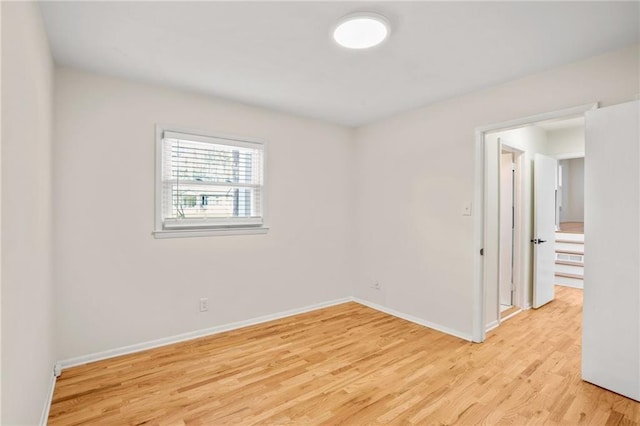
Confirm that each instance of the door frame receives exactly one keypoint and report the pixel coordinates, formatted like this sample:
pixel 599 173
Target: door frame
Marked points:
pixel 567 156
pixel 518 237
pixel 480 268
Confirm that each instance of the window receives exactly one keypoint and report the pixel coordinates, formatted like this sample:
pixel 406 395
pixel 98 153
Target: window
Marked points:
pixel 208 184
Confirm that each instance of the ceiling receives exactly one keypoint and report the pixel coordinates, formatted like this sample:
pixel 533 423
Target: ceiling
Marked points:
pixel 281 55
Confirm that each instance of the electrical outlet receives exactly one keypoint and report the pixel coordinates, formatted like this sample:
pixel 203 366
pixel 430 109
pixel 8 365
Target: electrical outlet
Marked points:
pixel 204 304
pixel 467 210
pixel 376 285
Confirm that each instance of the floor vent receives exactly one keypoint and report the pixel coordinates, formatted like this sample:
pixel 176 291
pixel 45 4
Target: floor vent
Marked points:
pixel 570 257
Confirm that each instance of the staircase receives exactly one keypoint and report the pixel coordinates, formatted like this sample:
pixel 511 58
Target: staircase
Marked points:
pixel 569 268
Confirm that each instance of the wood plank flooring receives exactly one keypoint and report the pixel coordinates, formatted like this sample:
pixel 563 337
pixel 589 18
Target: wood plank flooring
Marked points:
pixel 509 311
pixel 350 364
pixel 572 227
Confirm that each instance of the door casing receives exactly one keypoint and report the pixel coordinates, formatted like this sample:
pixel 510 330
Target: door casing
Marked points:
pixel 480 238
pixel 519 182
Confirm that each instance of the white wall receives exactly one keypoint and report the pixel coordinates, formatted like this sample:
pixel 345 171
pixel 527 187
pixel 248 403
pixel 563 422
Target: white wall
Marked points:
pixel 117 285
pixel 27 289
pixel 416 172
pixel 565 141
pixel 572 209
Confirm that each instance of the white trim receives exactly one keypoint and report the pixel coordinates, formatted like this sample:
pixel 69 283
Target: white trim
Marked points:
pixel 568 156
pixel 202 223
pixel 479 331
pixel 186 233
pixel 478 242
pixel 536 118
pixel 520 239
pixel 193 131
pixel 138 347
pixel 161 231
pixel 197 136
pixel 571 282
pixel 512 314
pixel 44 417
pixel 157 180
pixel 415 320
pixel 492 325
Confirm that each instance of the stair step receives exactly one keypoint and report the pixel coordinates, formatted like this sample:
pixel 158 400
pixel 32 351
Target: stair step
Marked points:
pixel 581 253
pixel 570 237
pixel 569 263
pixel 571 245
pixel 569 241
pixel 568 267
pixel 565 275
pixel 569 282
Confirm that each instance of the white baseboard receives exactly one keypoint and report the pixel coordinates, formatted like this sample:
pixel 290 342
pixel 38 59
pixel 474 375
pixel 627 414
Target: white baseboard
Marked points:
pixel 492 325
pixel 138 347
pixel 571 283
pixel 413 319
pixel 512 314
pixel 47 403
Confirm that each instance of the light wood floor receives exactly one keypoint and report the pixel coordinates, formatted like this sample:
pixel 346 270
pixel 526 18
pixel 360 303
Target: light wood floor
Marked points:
pixel 572 227
pixel 508 311
pixel 352 365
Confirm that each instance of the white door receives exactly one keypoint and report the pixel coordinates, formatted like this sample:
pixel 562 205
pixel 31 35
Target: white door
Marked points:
pixel 506 229
pixel 544 227
pixel 611 314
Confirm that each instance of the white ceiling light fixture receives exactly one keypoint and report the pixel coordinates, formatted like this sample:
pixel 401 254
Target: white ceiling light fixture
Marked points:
pixel 361 30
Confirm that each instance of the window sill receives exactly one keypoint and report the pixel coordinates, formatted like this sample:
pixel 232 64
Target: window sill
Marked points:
pixel 187 233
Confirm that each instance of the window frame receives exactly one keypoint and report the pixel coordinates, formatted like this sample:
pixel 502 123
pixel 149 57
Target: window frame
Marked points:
pixel 160 231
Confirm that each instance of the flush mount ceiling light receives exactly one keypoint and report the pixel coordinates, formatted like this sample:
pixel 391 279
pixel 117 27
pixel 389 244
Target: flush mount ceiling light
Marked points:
pixel 361 30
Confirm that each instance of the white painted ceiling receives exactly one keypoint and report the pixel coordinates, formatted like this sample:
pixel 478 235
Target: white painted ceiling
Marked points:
pixel 281 55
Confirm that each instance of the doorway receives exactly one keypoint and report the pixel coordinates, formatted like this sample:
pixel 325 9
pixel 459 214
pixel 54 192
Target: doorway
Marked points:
pixel 510 224
pixel 493 233
pixel 571 195
pixel 570 243
pixel 507 231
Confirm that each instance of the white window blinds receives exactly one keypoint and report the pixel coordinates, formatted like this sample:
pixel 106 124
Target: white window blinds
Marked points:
pixel 210 182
